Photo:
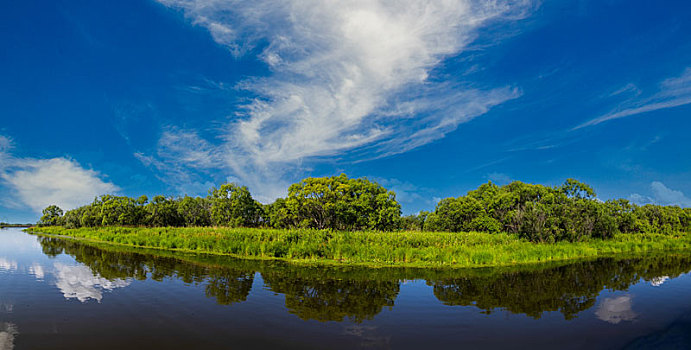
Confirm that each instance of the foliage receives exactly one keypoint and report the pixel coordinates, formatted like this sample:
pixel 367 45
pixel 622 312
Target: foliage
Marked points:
pixel 162 211
pixel 374 248
pixel 549 214
pixel 233 206
pixel 570 212
pixel 569 289
pixel 52 216
pixel 279 216
pixel 229 205
pixel 8 225
pixel 195 211
pixel 339 203
pixel 413 222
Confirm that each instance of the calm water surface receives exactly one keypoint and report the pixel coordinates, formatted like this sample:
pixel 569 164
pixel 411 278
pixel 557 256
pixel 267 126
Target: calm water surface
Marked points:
pixel 61 294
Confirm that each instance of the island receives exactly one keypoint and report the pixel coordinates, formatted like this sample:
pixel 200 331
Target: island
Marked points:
pixel 354 221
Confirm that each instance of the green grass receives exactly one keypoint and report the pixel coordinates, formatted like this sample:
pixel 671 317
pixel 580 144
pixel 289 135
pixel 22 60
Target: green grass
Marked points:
pixel 371 248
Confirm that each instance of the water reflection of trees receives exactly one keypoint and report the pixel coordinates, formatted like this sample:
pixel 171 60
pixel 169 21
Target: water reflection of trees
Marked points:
pixel 358 294
pixel 313 293
pixel 230 286
pixel 227 284
pixel 568 289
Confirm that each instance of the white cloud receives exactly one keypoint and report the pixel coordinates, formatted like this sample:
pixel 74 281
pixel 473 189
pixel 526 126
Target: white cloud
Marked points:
pixel 667 196
pixel 80 283
pixel 662 195
pixel 5 147
pixel 187 148
pixel 180 155
pixel 38 183
pixel 345 76
pixel 615 310
pixel 640 199
pixel 628 89
pixel 5 144
pixel 672 92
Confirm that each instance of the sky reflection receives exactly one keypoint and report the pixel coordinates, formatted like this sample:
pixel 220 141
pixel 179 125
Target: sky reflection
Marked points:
pixel 225 300
pixel 80 283
pixel 616 310
pixel 7 265
pixel 7 333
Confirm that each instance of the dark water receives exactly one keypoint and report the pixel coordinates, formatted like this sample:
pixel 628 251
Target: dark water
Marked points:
pixel 58 294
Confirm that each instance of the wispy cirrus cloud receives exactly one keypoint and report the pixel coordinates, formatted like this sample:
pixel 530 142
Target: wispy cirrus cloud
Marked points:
pixel 38 183
pixel 500 179
pixel 672 92
pixel 347 76
pixel 5 148
pixel 180 159
pixel 406 192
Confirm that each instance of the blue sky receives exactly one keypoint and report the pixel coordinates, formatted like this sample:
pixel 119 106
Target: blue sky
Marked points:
pixel 429 98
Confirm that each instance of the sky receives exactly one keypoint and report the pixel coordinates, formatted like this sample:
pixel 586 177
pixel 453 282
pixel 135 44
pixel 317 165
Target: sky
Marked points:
pixel 428 98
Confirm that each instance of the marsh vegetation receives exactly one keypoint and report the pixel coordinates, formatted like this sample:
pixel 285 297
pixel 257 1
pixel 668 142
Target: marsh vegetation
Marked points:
pixel 355 221
pixel 372 248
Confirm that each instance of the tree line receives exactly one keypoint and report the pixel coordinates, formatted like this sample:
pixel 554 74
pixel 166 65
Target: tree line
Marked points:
pixel 570 212
pixel 8 225
pixel 337 202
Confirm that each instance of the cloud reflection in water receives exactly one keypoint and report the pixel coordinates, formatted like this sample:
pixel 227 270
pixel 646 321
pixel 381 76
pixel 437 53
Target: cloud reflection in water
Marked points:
pixel 658 281
pixel 37 270
pixel 80 283
pixel 615 310
pixel 7 333
pixel 8 265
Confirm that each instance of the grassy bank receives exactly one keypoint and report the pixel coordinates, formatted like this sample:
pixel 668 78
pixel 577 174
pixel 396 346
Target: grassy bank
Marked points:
pixel 411 249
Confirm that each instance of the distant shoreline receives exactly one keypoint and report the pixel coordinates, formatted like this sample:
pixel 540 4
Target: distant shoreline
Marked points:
pixel 372 248
pixel 15 225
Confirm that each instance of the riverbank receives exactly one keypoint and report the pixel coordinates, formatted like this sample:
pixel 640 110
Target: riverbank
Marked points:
pixel 15 225
pixel 371 248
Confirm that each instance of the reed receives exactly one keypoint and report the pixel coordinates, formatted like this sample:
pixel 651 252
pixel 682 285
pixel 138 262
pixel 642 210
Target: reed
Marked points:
pixel 373 248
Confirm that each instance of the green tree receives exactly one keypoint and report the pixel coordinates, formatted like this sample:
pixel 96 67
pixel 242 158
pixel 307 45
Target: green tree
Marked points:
pixel 52 216
pixel 279 216
pixel 338 202
pixel 118 210
pixel 624 213
pixel 91 215
pixel 162 212
pixel 72 218
pixel 414 222
pixel 576 189
pixel 233 206
pixel 539 213
pixel 195 211
pixel 456 214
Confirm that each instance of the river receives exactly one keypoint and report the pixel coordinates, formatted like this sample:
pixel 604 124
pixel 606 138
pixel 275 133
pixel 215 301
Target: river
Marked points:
pixel 64 294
